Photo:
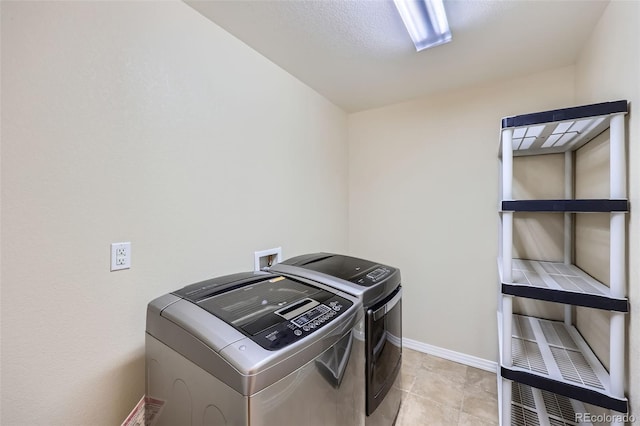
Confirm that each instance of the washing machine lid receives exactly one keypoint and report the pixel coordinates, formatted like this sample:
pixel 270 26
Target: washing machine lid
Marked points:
pixel 273 310
pixel 252 308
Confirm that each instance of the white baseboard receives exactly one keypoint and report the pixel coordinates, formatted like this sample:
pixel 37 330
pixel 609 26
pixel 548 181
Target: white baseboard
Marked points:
pixel 470 360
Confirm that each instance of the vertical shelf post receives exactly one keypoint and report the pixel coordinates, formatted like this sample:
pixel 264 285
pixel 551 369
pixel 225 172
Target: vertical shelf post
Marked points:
pixel 507 269
pixel 507 243
pixel 618 190
pixel 568 218
pixel 568 225
pixel 507 194
pixel 507 389
pixel 507 164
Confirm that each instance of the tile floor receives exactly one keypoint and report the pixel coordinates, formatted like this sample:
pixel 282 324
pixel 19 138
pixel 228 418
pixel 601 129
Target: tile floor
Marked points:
pixel 441 392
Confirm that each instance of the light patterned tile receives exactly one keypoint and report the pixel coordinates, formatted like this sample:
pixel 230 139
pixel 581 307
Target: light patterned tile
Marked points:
pixel 416 410
pixel 411 360
pixel 469 420
pixel 482 379
pixel 438 389
pixel 451 370
pixel 408 378
pixel 480 403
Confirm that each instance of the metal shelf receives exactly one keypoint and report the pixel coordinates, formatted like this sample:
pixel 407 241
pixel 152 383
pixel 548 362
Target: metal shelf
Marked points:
pixel 551 356
pixel 560 283
pixel 560 130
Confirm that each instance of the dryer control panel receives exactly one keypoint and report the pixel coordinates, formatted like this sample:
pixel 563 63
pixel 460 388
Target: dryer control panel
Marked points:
pixel 372 277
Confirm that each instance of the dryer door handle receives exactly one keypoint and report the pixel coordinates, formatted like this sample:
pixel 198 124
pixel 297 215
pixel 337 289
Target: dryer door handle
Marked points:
pixel 381 311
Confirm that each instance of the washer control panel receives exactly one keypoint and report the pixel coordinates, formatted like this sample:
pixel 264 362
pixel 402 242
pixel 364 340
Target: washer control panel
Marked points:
pixel 316 317
pixel 302 324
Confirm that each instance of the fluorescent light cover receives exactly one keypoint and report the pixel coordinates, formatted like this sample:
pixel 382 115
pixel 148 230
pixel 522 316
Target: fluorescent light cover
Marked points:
pixel 426 22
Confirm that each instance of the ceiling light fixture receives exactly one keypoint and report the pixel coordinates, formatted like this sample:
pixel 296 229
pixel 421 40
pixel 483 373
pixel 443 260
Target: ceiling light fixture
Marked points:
pixel 426 22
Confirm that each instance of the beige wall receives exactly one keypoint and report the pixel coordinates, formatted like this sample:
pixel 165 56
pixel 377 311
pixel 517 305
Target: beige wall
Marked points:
pixel 140 122
pixel 609 69
pixel 146 123
pixel 423 195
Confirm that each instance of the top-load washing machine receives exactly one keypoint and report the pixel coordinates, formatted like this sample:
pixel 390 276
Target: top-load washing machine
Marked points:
pixel 378 287
pixel 258 349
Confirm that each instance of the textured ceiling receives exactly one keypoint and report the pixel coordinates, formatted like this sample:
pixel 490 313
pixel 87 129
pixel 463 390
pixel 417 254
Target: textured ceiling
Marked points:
pixel 358 54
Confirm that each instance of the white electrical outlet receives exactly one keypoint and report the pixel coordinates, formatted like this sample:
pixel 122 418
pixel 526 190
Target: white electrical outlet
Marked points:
pixel 265 258
pixel 120 256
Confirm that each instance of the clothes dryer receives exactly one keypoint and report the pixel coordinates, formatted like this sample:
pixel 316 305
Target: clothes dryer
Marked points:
pixel 378 287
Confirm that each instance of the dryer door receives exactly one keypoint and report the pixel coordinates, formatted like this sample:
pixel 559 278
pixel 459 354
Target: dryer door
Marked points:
pixel 383 347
